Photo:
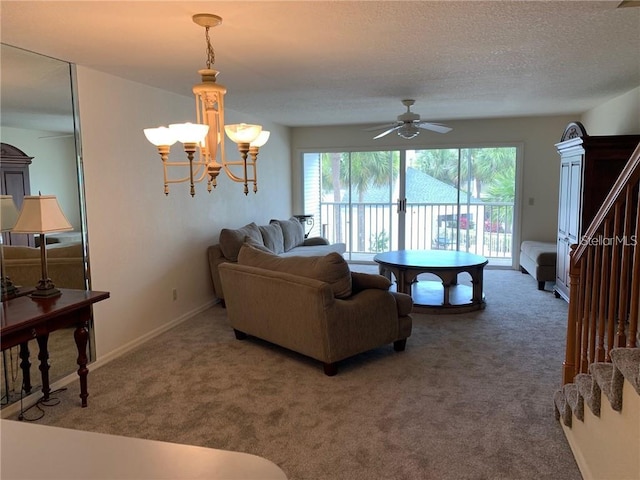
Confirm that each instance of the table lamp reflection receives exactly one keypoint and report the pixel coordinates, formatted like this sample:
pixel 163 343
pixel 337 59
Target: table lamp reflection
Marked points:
pixel 8 217
pixel 42 214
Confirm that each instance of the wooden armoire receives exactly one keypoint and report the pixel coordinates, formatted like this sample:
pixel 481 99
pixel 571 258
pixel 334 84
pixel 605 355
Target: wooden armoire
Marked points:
pixel 14 181
pixel 589 166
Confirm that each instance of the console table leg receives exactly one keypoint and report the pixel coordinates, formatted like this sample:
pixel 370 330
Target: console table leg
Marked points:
pixel 25 365
pixel 43 356
pixel 81 336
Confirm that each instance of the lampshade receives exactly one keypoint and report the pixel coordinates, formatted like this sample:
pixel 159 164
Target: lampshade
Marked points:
pixel 41 214
pixel 189 132
pixel 8 213
pixel 243 132
pixel 160 136
pixel 262 139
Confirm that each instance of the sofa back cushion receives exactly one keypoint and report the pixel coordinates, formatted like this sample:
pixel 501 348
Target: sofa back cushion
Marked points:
pixel 272 237
pixel 331 268
pixel 231 240
pixel 292 231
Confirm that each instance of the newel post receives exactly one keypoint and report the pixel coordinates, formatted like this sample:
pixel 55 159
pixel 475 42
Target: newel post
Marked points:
pixel 569 364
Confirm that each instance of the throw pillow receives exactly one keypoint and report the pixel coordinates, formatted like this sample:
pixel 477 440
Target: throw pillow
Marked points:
pixel 272 237
pixel 263 248
pixel 231 240
pixel 292 231
pixel 331 268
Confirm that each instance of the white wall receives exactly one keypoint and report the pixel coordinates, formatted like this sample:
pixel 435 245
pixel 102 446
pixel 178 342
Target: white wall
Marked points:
pixel 537 135
pixel 53 168
pixel 142 244
pixel 619 116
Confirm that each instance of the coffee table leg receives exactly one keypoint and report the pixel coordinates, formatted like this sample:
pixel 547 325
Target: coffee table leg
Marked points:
pixel 477 280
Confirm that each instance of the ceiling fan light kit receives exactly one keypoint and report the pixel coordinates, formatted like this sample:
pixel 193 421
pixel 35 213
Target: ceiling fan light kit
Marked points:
pixel 408 124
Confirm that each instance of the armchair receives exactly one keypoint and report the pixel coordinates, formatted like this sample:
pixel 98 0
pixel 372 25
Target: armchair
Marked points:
pixel 313 305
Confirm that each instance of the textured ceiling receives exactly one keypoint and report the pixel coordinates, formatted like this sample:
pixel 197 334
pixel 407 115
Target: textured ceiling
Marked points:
pixel 341 62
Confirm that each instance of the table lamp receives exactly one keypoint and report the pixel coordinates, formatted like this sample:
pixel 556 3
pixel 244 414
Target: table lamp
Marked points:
pixel 42 214
pixel 8 217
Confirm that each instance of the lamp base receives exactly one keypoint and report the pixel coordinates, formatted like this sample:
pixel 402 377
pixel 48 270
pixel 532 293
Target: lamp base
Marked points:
pixel 45 288
pixel 9 290
pixel 50 292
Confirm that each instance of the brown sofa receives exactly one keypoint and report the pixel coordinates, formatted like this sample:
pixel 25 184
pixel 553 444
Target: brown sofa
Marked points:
pixel 284 238
pixel 65 265
pixel 313 305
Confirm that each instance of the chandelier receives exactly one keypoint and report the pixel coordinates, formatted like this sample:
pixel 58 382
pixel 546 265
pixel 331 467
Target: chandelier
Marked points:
pixel 206 136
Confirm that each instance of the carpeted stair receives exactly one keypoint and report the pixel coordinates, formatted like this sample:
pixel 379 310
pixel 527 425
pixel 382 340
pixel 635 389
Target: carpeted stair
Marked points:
pixel 604 378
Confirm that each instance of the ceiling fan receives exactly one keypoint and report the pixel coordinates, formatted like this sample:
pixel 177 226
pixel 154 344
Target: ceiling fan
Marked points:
pixel 409 124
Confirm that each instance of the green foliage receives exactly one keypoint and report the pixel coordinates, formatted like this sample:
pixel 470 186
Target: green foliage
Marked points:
pixel 477 167
pixel 379 242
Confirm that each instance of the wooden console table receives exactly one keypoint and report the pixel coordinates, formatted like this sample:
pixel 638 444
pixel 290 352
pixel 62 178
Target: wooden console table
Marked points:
pixel 24 318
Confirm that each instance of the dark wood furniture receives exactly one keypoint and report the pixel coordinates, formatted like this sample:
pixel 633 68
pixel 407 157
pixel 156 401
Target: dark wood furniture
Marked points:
pixel 24 318
pixel 589 166
pixel 14 181
pixel 435 297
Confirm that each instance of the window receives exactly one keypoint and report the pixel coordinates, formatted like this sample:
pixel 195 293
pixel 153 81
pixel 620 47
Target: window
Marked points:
pixel 453 198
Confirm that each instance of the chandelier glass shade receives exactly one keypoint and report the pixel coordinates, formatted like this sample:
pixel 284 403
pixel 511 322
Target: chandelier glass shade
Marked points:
pixel 206 136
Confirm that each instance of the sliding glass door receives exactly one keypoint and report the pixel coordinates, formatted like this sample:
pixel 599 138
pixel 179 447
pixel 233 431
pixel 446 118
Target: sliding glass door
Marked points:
pixel 351 194
pixel 453 198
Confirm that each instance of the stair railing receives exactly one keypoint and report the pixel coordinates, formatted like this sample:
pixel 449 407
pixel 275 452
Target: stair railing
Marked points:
pixel 604 272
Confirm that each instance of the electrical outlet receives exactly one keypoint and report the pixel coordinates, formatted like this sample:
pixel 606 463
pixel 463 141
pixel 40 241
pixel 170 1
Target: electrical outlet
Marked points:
pixel 531 201
pixel 175 294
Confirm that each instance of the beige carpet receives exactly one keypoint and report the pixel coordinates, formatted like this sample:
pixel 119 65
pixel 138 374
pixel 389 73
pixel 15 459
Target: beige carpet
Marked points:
pixel 470 398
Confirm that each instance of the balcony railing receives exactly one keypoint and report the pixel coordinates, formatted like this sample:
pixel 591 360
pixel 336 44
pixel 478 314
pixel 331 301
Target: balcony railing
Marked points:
pixel 367 228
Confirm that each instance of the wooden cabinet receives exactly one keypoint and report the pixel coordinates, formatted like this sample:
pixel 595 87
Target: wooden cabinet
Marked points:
pixel 589 166
pixel 14 181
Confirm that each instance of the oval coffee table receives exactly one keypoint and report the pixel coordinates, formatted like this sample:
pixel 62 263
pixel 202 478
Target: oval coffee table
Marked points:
pixel 431 296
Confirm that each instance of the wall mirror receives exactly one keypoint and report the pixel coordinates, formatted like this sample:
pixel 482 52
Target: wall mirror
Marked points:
pixel 39 120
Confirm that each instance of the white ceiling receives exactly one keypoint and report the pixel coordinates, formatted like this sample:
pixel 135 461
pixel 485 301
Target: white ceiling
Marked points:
pixel 304 63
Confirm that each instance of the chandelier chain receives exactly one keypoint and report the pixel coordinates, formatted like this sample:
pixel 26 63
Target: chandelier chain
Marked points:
pixel 211 55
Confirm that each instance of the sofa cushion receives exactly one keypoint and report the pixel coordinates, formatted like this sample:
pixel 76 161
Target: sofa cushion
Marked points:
pixel 232 240
pixel 292 231
pixel 272 237
pixel 331 268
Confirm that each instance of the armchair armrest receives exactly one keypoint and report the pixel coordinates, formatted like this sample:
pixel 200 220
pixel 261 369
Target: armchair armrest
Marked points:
pixel 362 281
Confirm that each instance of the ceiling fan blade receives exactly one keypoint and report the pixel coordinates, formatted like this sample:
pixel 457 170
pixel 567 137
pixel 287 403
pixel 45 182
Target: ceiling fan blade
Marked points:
pixel 386 132
pixel 378 127
pixel 434 127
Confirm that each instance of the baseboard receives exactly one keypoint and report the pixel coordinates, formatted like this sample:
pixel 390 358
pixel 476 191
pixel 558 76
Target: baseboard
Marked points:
pixel 33 398
pixel 118 352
